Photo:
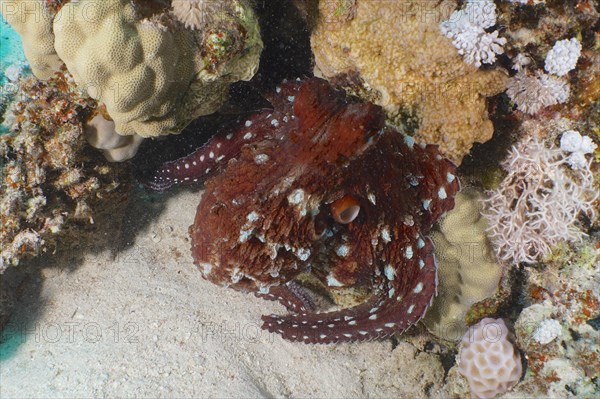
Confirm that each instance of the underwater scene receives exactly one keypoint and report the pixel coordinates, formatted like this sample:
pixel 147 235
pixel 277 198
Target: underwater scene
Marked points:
pixel 300 198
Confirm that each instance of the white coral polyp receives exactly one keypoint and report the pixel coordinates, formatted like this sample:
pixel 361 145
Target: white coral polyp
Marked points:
pixel 481 13
pixel 195 14
pixel 547 331
pixel 533 92
pixel 572 141
pixel 488 359
pixel 562 58
pixel 466 28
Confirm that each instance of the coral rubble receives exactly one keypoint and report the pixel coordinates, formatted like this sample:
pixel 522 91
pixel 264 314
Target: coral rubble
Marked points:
pixel 50 177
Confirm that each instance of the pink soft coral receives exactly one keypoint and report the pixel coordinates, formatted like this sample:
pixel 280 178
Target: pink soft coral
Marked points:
pixel 538 203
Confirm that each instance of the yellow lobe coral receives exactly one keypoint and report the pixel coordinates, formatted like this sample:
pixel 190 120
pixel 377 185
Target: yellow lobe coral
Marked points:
pixel 33 21
pixel 468 272
pixel 151 77
pixel 409 66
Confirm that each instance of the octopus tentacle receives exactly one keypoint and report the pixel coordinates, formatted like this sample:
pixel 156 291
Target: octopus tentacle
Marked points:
pixel 291 295
pixel 212 158
pixel 401 303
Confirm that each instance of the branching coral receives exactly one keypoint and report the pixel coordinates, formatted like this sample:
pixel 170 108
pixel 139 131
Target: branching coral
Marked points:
pixel 538 204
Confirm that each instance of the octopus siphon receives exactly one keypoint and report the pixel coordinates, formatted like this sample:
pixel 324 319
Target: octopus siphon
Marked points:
pixel 319 184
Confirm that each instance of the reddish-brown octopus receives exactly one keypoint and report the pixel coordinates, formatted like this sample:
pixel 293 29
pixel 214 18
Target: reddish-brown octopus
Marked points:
pixel 319 184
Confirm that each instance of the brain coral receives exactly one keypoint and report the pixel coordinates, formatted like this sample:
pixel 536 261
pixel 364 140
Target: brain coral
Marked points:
pixel 33 21
pixel 468 272
pixel 488 359
pixel 408 66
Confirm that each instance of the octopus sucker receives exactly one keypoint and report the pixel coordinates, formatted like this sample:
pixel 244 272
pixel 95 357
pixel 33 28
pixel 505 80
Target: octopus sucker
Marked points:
pixel 319 184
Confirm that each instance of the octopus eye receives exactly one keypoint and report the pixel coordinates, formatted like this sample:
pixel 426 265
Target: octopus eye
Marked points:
pixel 345 210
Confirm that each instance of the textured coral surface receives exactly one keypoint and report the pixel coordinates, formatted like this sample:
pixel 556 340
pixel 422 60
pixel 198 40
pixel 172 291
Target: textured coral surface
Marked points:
pixel 488 359
pixel 408 66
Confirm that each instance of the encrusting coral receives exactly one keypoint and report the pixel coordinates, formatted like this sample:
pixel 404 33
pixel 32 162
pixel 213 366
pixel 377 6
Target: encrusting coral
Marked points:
pixel 49 177
pixel 468 271
pixel 403 62
pixel 152 73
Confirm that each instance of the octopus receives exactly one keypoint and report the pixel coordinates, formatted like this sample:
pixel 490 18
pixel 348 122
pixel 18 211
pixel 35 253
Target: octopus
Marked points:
pixel 319 184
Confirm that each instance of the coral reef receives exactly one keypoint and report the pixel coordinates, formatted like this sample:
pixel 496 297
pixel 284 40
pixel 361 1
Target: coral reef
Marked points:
pixel 153 75
pixel 488 359
pixel 306 187
pixel 49 176
pixel 468 272
pixel 553 330
pixel 404 63
pixel 539 202
pixel 533 92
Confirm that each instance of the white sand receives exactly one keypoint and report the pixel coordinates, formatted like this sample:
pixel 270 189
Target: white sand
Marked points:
pixel 144 323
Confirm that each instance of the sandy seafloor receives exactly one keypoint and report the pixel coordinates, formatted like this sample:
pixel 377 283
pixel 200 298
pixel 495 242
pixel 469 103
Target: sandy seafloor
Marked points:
pixel 142 322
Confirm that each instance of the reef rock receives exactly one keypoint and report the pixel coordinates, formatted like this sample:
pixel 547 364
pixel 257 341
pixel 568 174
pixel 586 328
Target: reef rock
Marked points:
pixel 394 54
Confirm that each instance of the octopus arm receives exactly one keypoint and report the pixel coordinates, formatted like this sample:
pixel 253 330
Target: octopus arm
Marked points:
pixel 401 302
pixel 212 158
pixel 291 295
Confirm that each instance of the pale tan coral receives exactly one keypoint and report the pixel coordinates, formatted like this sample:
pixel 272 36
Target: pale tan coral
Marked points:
pixel 101 134
pixel 468 272
pixel 153 75
pixel 409 67
pixel 147 74
pixel 33 21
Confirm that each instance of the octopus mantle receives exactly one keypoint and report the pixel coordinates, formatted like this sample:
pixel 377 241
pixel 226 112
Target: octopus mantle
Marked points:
pixel 319 184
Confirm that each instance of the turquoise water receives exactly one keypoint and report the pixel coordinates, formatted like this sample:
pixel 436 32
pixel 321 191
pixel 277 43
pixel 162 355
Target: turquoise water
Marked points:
pixel 11 53
pixel 11 50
